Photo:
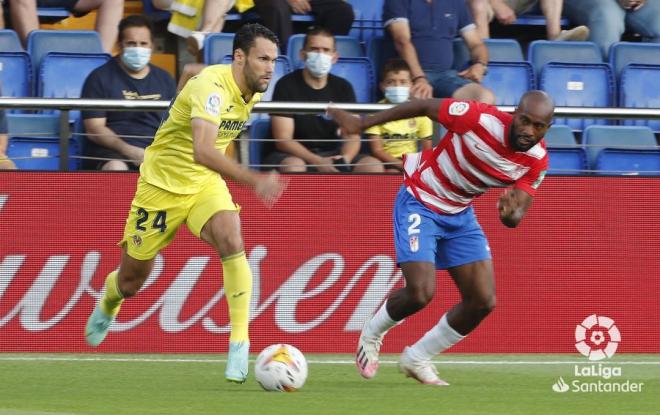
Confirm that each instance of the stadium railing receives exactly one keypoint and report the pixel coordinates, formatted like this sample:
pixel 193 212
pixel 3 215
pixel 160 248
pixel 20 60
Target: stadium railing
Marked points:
pixel 65 105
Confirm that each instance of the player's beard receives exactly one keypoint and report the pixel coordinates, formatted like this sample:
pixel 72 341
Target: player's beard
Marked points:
pixel 254 81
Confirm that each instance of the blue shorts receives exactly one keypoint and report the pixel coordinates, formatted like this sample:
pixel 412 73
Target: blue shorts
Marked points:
pixel 445 83
pixel 422 235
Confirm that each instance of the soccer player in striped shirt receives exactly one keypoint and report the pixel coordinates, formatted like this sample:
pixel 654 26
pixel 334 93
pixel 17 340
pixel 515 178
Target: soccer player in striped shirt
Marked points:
pixel 434 224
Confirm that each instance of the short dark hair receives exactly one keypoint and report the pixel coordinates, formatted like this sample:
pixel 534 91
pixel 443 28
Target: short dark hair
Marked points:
pixel 246 36
pixel 135 20
pixel 394 65
pixel 318 31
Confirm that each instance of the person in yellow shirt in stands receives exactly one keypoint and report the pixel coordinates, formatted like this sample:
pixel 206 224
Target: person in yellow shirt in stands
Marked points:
pixel 390 141
pixel 182 181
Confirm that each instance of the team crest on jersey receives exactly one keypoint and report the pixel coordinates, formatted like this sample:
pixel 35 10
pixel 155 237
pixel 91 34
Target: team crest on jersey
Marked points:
pixel 414 243
pixel 458 108
pixel 412 123
pixel 538 181
pixel 213 104
pixel 137 240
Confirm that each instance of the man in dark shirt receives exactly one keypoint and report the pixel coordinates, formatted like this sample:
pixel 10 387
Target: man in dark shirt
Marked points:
pixel 306 140
pixel 422 32
pixel 117 135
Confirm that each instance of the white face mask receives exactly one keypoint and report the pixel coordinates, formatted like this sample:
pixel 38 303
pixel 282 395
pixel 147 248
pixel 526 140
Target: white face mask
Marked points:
pixel 319 64
pixel 397 94
pixel 136 58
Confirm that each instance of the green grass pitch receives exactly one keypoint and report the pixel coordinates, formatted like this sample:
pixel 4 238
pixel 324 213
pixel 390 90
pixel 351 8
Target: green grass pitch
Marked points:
pixel 98 384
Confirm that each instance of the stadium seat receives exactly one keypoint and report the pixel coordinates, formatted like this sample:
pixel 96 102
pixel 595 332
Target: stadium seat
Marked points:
pixel 217 46
pixel 536 20
pixel 15 74
pixel 597 138
pixel 259 131
pixel 509 81
pixel 628 162
pixel 567 160
pixel 499 50
pixel 359 72
pixel 157 15
pixel 9 41
pixel 347 47
pixel 282 67
pixel 625 53
pixel 41 42
pixel 368 21
pixel 578 85
pixel 34 142
pixel 640 88
pixel 541 52
pixel 559 136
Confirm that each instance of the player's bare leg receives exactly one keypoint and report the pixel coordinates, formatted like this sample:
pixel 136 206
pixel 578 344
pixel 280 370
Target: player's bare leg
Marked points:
pixel 223 233
pixel 476 284
pixel 119 285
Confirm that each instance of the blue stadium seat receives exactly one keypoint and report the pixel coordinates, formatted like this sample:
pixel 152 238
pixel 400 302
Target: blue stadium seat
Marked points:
pixel 41 42
pixel 9 41
pixel 259 131
pixel 499 50
pixel 536 20
pixel 347 47
pixel 368 21
pixel 15 74
pixel 596 138
pixel 559 136
pixel 34 142
pixel 567 160
pixel 509 81
pixel 578 85
pixel 628 162
pixel 380 50
pixel 282 67
pixel 625 53
pixel 359 72
pixel 640 88
pixel 217 46
pixel 541 52
pixel 52 14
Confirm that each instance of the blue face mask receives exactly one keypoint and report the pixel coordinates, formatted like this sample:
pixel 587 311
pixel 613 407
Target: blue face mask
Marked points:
pixel 318 64
pixel 136 58
pixel 397 94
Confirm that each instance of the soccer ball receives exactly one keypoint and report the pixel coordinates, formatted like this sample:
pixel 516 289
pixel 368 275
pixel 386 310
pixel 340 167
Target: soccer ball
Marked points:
pixel 281 368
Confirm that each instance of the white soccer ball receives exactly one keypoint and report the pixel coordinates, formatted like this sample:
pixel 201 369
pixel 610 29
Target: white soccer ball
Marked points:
pixel 281 368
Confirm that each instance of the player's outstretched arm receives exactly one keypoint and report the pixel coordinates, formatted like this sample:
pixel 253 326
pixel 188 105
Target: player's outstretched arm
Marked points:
pixel 268 186
pixel 350 124
pixel 512 205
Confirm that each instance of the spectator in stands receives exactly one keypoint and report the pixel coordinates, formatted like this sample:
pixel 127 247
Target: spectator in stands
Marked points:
pixel 609 19
pixel 330 151
pixel 5 163
pixel 390 141
pixel 507 11
pixel 24 17
pixel 124 135
pixel 422 32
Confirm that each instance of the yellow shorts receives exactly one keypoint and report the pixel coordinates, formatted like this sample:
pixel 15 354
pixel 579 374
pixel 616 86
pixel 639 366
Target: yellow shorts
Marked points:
pixel 156 214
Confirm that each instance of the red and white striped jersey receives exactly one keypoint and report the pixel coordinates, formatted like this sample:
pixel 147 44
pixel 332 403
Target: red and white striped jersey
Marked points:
pixel 472 157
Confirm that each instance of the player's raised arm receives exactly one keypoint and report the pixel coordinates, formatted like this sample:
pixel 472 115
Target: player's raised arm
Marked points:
pixel 351 124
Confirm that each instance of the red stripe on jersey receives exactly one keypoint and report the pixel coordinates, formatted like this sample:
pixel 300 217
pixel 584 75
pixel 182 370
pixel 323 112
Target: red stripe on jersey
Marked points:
pixel 451 152
pixel 482 166
pixel 418 183
pixel 447 184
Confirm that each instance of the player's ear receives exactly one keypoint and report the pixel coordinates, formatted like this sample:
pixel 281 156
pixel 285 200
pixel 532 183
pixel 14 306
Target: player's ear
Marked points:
pixel 239 55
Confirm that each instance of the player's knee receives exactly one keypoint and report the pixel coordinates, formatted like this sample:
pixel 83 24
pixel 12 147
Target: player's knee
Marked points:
pixel 228 244
pixel 419 297
pixel 130 283
pixel 484 305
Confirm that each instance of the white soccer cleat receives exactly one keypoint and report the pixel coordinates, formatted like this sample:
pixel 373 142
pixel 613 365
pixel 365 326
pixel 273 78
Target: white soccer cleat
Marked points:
pixel 422 371
pixel 366 358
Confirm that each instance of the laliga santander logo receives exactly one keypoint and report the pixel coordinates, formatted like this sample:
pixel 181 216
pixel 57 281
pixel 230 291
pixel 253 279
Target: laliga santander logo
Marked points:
pixel 597 337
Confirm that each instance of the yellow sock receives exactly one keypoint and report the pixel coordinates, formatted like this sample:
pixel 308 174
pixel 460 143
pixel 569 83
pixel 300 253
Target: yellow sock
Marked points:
pixel 238 290
pixel 112 298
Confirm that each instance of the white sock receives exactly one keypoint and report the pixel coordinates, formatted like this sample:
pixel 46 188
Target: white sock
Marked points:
pixel 380 323
pixel 440 338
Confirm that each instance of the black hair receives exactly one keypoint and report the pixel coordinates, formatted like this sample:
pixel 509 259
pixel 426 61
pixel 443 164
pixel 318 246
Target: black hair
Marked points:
pixel 246 36
pixel 135 20
pixel 394 65
pixel 318 31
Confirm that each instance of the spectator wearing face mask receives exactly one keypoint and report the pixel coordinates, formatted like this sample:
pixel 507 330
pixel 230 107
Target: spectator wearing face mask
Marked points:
pixel 390 141
pixel 312 141
pixel 116 139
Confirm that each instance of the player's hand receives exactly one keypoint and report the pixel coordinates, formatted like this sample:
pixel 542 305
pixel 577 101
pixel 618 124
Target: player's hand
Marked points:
pixel 503 13
pixel 269 187
pixel 474 73
pixel 300 6
pixel 506 203
pixel 326 164
pixel 421 89
pixel 348 123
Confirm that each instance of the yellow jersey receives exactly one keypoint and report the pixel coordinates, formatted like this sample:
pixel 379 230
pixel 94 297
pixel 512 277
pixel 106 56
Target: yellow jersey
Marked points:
pixel 402 136
pixel 212 95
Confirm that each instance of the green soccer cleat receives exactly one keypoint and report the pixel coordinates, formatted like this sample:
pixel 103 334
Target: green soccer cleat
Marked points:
pixel 97 327
pixel 237 362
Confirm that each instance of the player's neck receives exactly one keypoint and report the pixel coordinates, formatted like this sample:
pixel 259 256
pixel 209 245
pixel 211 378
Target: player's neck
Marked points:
pixel 314 83
pixel 239 78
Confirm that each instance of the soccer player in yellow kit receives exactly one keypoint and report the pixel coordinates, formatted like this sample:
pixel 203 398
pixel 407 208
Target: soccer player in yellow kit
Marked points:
pixel 181 180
